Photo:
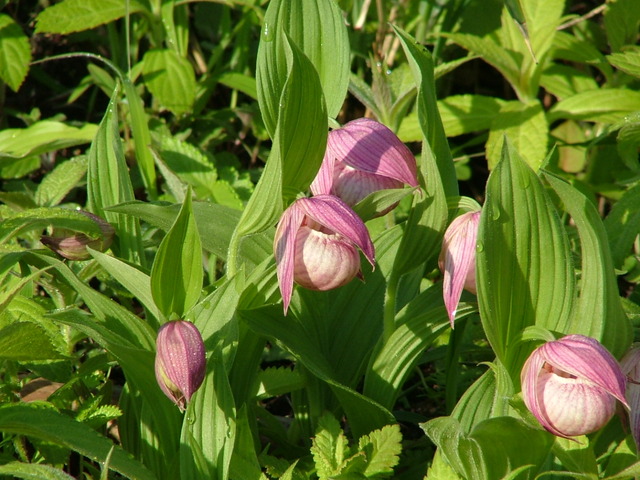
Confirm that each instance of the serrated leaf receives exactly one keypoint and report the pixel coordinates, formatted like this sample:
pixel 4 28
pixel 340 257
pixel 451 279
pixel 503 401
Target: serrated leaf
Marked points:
pixel 60 181
pixel 621 19
pixel 42 137
pixel 627 61
pixel 176 274
pixel 564 81
pixel 382 450
pixel 33 471
pixel 526 126
pixel 15 53
pixel 77 15
pixel 468 113
pixel 329 447
pixel 606 105
pixel 171 79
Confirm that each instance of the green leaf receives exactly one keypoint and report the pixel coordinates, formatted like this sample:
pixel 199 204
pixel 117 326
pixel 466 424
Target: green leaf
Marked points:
pixel 33 471
pixel 276 381
pixel 524 271
pixel 468 113
pixel 576 455
pixel 26 335
pixel 298 147
pixel 494 448
pixel 621 19
pixel 171 79
pixel 77 15
pixel 598 312
pixel 36 420
pixel 623 224
pixel 606 105
pixel 627 61
pixel 418 325
pixel 15 53
pixel 216 224
pixel 108 183
pixel 564 81
pixel 176 275
pixel 329 447
pixel 43 137
pixel 318 29
pixel 190 164
pixel 382 450
pixel 526 126
pixel 57 183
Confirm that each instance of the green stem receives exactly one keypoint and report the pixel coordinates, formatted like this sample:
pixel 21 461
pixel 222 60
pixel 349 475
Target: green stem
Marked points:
pixel 389 319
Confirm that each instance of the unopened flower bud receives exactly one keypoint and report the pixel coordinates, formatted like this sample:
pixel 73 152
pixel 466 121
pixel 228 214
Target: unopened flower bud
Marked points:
pixel 74 246
pixel 180 361
pixel 571 385
pixel 458 260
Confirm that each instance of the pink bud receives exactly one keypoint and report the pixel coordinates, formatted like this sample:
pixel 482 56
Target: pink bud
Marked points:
pixel 180 361
pixel 315 245
pixel 571 385
pixel 362 157
pixel 74 246
pixel 458 260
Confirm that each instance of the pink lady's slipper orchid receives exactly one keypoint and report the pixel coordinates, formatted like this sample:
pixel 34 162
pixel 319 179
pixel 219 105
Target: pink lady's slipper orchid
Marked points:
pixel 458 260
pixel 315 245
pixel 180 361
pixel 73 246
pixel 362 157
pixel 571 385
pixel 630 365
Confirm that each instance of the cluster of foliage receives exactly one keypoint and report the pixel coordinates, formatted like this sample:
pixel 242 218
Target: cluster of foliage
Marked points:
pixel 190 127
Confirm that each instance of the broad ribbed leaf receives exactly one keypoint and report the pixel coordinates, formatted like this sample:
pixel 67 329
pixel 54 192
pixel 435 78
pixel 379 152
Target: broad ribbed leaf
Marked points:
pixel 524 271
pixel 598 311
pixel 428 217
pixel 45 423
pixel 608 105
pixel 108 183
pixel 318 29
pixel 176 275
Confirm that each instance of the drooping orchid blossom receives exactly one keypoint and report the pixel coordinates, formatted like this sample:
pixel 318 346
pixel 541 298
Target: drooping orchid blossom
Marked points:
pixel 315 245
pixel 571 385
pixel 362 157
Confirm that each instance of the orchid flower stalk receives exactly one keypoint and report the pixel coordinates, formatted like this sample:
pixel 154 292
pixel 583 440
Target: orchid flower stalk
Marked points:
pixel 362 157
pixel 316 245
pixel 458 260
pixel 180 361
pixel 571 385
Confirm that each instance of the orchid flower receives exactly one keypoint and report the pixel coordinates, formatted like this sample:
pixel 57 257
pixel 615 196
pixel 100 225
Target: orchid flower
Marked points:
pixel 571 385
pixel 180 361
pixel 630 365
pixel 362 157
pixel 458 260
pixel 315 245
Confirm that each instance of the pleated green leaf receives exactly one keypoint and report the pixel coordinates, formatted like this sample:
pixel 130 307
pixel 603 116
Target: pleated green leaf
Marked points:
pixel 623 225
pixel 524 271
pixel 318 29
pixel 45 423
pixel 171 79
pixel 108 183
pixel 176 275
pixel 598 311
